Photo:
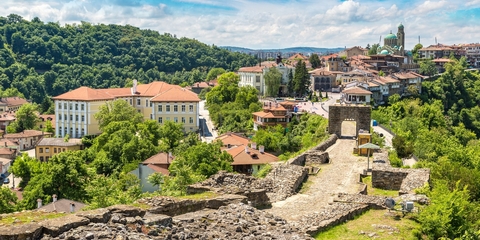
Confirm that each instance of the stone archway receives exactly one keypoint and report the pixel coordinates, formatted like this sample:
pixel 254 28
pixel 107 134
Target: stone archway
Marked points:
pixel 337 113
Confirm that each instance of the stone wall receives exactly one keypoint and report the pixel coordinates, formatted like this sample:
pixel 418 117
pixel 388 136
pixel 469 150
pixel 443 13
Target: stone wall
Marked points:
pixel 339 112
pixel 404 180
pixel 327 143
pixel 301 160
pixel 316 157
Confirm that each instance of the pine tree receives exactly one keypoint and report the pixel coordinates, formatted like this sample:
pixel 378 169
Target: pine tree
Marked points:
pixel 301 79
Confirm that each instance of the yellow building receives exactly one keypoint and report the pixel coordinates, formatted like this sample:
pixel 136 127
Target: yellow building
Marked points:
pixel 48 147
pixel 160 101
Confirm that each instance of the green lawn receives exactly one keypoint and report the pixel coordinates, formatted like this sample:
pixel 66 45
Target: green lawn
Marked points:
pixel 363 225
pixel 29 216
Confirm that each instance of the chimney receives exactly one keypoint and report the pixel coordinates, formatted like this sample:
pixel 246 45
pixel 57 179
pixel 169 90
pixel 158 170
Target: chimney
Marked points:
pixel 246 149
pixel 54 196
pixel 39 203
pixel 72 207
pixel 254 145
pixel 134 87
pixel 5 144
pixel 262 149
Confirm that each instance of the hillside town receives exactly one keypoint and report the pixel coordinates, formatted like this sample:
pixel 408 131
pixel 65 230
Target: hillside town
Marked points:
pixel 305 141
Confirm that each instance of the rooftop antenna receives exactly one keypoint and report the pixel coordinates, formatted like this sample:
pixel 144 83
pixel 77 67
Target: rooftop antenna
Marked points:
pixel 418 38
pixel 435 40
pixel 380 40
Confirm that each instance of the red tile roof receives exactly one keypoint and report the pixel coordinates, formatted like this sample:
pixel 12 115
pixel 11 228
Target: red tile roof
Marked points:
pixel 253 157
pixel 357 90
pixel 26 133
pixel 159 169
pixel 176 94
pixel 159 158
pixel 13 101
pixel 84 94
pixel 232 139
pixel 254 69
pixel 46 117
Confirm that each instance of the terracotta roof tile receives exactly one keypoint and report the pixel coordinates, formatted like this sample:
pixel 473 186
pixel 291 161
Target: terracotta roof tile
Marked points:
pixel 298 56
pixel 6 151
pixel 255 69
pixel 159 169
pixel 26 133
pixel 84 94
pixel 46 117
pixel 60 142
pixel 253 157
pixel 159 158
pixel 176 94
pixel 356 90
pixel 13 101
pixel 232 139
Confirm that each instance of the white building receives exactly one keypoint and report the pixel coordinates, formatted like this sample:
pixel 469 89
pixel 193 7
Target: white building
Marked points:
pixel 254 76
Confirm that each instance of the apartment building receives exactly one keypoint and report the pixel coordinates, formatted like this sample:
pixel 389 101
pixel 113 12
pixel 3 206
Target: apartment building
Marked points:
pixel 159 101
pixel 11 104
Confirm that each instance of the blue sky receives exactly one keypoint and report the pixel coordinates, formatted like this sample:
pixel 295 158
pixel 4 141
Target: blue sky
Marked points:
pixel 273 24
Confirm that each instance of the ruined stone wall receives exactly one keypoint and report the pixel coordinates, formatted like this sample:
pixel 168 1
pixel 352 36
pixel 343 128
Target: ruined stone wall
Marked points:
pixel 327 143
pixel 404 180
pixel 316 157
pixel 302 159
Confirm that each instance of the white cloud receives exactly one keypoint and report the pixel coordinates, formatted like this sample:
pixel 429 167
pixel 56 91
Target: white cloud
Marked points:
pixel 267 24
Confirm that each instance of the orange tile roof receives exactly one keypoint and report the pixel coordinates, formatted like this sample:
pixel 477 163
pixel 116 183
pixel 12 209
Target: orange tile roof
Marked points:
pixel 253 157
pixel 26 133
pixel 200 85
pixel 232 139
pixel 6 151
pixel 263 114
pixel 159 158
pixel 176 94
pixel 357 90
pixel 84 94
pixel 255 69
pixel 297 56
pixel 442 60
pixel 159 169
pixel 13 101
pixel 7 143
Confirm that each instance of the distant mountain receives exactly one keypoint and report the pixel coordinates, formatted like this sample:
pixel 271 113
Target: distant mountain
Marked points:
pixel 303 50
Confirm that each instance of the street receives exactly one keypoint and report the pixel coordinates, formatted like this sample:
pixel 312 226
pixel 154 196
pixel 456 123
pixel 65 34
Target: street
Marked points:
pixel 206 125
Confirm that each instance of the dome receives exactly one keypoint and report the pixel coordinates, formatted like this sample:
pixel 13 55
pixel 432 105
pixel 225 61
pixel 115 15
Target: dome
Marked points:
pixel 384 52
pixel 391 36
pixel 400 26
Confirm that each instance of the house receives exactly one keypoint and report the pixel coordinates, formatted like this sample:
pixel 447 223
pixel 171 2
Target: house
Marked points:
pixel 472 52
pixel 157 163
pixel 408 80
pixel 254 76
pixel 60 205
pixel 199 86
pixel 49 147
pixel 323 80
pixel 26 139
pixel 5 164
pixel 5 119
pixel 353 51
pixel 43 118
pixel 272 115
pixel 8 153
pixel 246 159
pixel 160 101
pixel 441 51
pixel 11 104
pixel 357 94
pixel 440 63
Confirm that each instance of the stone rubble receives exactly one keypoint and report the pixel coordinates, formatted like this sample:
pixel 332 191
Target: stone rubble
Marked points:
pixel 235 221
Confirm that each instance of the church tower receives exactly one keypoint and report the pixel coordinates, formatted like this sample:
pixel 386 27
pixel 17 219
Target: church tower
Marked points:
pixel 401 39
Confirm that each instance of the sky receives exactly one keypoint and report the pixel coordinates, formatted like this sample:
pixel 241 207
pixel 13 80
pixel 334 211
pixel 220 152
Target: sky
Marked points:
pixel 260 24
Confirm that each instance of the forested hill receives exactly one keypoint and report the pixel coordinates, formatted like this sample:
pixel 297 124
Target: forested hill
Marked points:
pixel 42 59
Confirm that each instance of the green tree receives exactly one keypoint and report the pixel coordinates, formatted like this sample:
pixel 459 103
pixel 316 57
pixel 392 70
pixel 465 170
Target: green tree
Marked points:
pixel 381 73
pixel 301 79
pixel 214 73
pixel 427 67
pixel 8 200
pixel 156 179
pixel 48 127
pixel 273 79
pixel 315 61
pixel 373 49
pixel 203 94
pixel 103 191
pixel 291 83
pixel 171 134
pixel 25 167
pixel 26 118
pixel 226 90
pixel 415 49
pixel 118 110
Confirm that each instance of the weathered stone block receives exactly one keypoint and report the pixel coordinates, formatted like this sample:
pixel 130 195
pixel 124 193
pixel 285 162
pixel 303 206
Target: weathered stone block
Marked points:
pixel 29 231
pixel 57 226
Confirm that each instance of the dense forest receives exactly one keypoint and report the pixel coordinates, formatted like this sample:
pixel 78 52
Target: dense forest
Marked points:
pixel 47 59
pixel 441 127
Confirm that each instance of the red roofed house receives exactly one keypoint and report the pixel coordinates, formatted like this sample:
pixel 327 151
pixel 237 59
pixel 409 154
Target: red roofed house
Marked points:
pixel 11 104
pixel 272 115
pixel 27 139
pixel 246 159
pixel 159 101
pixel 157 163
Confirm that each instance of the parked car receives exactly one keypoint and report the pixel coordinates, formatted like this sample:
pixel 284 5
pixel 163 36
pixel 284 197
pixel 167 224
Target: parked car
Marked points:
pixel 2 176
pixel 6 181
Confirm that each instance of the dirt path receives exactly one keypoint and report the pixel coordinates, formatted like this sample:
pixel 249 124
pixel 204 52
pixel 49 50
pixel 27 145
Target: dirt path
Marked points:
pixel 341 175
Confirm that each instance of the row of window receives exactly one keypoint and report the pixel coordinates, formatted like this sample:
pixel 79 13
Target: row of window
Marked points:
pixel 71 105
pixel 71 131
pixel 175 108
pixel 175 119
pixel 82 117
pixel 55 150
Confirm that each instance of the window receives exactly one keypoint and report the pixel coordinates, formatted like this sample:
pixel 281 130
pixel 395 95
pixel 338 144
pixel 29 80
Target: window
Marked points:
pixel 71 117
pixel 82 107
pixel 71 130
pixel 167 108
pixel 151 104
pixel 175 119
pixel 70 106
pixel 76 131
pixel 54 150
pixel 76 118
pixel 40 150
pixel 183 107
pixel 131 101
pixel 63 149
pixel 183 119
pixel 60 130
pixel 190 120
pixel 47 150
pixel 46 159
pixel 160 120
pixel 41 159
pixel 151 116
pixel 146 103
pixel 65 106
pixel 257 79
pixel 59 116
pixel 76 106
pixel 190 108
pixel 139 101
pixel 83 118
pixel 83 131
pixel 160 108
pixel 59 106
pixel 175 108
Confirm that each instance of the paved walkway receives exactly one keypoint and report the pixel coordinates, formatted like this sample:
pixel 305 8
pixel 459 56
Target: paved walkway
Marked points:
pixel 341 175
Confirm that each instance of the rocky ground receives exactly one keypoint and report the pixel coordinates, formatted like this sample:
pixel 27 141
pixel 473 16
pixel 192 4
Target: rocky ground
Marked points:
pixel 235 221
